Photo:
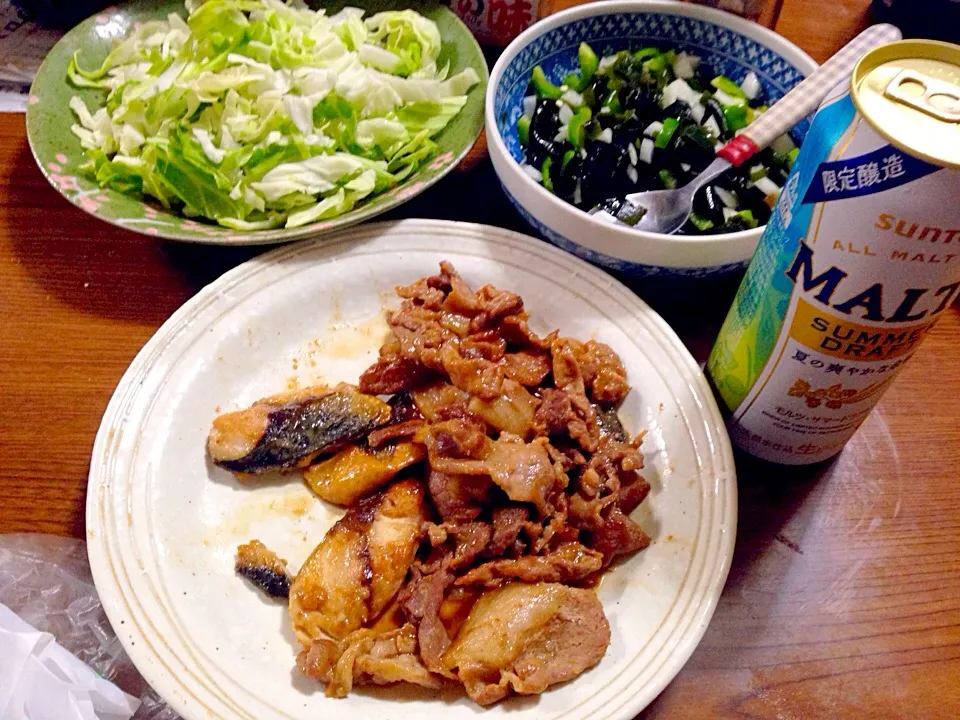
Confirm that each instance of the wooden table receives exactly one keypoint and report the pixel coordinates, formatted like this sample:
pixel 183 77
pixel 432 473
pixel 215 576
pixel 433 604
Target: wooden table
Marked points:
pixel 844 597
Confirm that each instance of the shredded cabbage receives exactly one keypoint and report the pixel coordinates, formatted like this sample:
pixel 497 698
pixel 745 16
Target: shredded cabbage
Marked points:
pixel 261 113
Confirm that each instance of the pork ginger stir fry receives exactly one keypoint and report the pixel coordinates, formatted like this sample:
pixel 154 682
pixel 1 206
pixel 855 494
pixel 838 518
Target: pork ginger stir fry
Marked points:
pixel 488 482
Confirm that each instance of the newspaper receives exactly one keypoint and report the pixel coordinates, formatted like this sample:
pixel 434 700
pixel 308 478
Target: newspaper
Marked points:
pixel 23 46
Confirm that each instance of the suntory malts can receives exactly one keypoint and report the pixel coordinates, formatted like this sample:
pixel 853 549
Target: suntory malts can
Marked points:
pixel 860 259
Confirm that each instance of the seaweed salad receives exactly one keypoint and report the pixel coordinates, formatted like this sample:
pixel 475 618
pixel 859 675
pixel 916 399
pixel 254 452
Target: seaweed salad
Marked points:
pixel 650 119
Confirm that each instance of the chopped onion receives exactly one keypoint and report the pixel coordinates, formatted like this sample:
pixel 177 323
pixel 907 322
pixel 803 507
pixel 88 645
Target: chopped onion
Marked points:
pixel 685 167
pixel 529 105
pixel 767 186
pixel 646 151
pixel 751 85
pixel 697 111
pixel 531 172
pixel 583 153
pixel 712 125
pixel 608 60
pixel 679 90
pixel 653 128
pixel 632 152
pixel 632 174
pixel 565 114
pixel 606 136
pixel 605 110
pixel 728 214
pixel 572 98
pixel 721 97
pixel 577 195
pixel 562 134
pixel 692 96
pixel 685 65
pixel 726 197
pixel 671 93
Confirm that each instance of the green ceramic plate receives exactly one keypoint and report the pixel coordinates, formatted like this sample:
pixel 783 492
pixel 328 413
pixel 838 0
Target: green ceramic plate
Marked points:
pixel 58 151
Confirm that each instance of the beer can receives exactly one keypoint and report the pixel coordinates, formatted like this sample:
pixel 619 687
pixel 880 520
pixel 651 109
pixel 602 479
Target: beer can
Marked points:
pixel 859 260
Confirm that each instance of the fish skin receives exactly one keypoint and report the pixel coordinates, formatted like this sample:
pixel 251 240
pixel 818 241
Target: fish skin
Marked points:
pixel 264 568
pixel 302 429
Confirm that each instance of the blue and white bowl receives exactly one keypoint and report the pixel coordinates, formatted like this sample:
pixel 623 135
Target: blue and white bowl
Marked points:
pixel 727 43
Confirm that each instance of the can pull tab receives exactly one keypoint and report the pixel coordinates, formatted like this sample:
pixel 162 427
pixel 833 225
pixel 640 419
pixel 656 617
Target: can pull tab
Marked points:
pixel 934 97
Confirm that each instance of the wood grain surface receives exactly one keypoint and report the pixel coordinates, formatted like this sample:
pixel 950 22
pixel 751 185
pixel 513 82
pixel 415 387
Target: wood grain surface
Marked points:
pixel 821 27
pixel 844 596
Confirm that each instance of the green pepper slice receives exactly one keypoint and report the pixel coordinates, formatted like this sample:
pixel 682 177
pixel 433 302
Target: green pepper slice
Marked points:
pixel 747 215
pixel 589 62
pixel 545 173
pixel 703 224
pixel 644 53
pixel 656 65
pixel 544 87
pixel 575 131
pixel 523 129
pixel 722 82
pixel 736 117
pixel 665 135
pixel 612 101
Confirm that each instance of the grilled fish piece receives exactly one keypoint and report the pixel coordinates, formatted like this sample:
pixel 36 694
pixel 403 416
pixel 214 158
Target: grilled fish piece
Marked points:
pixel 264 568
pixel 357 471
pixel 354 573
pixel 290 429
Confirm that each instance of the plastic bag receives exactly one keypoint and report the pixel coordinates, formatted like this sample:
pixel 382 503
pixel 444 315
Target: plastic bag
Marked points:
pixel 46 580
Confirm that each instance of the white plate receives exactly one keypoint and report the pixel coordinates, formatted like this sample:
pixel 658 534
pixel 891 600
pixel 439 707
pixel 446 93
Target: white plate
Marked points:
pixel 163 524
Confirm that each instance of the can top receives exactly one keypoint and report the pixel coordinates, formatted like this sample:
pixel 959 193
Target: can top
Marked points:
pixel 909 92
